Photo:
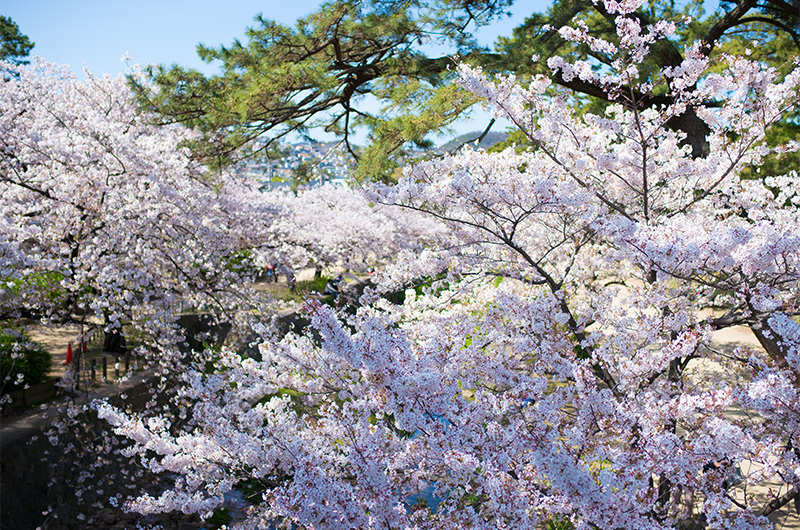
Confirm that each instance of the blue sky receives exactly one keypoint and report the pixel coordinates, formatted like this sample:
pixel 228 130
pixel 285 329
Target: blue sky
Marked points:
pixel 97 33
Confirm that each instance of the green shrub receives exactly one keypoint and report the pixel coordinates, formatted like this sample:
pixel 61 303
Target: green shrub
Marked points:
pixel 22 361
pixel 316 284
pixel 220 516
pixel 241 262
pixel 559 523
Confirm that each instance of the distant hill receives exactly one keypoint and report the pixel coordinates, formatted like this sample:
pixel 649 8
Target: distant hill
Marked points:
pixel 489 140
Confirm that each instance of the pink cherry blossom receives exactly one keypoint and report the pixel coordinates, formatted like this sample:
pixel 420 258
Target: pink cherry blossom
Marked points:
pixel 553 357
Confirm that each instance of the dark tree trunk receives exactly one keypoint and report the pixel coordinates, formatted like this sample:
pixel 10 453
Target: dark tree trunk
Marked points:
pixel 114 342
pixel 696 130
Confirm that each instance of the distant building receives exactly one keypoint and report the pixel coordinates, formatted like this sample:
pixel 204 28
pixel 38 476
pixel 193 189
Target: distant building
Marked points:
pixel 326 162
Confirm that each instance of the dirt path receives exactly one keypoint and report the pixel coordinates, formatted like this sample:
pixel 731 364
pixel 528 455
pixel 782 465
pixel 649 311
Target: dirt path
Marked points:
pixel 55 340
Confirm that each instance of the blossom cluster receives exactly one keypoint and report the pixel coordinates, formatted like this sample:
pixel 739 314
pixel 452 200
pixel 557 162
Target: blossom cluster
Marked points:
pixel 553 357
pixel 336 226
pixel 104 213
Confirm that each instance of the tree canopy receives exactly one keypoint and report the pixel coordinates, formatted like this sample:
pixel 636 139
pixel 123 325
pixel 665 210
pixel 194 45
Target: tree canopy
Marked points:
pixel 105 214
pixel 319 73
pixel 14 45
pixel 556 360
pixel 543 351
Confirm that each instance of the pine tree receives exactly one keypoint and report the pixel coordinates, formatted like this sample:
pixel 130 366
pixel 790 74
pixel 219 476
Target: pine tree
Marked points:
pixel 13 44
pixel 329 69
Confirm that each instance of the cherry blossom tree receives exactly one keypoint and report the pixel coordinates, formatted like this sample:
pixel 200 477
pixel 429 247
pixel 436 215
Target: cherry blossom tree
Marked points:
pixel 336 226
pixel 559 367
pixel 106 214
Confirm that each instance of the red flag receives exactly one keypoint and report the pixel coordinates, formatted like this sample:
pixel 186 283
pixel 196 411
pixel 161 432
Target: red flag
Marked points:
pixel 69 353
